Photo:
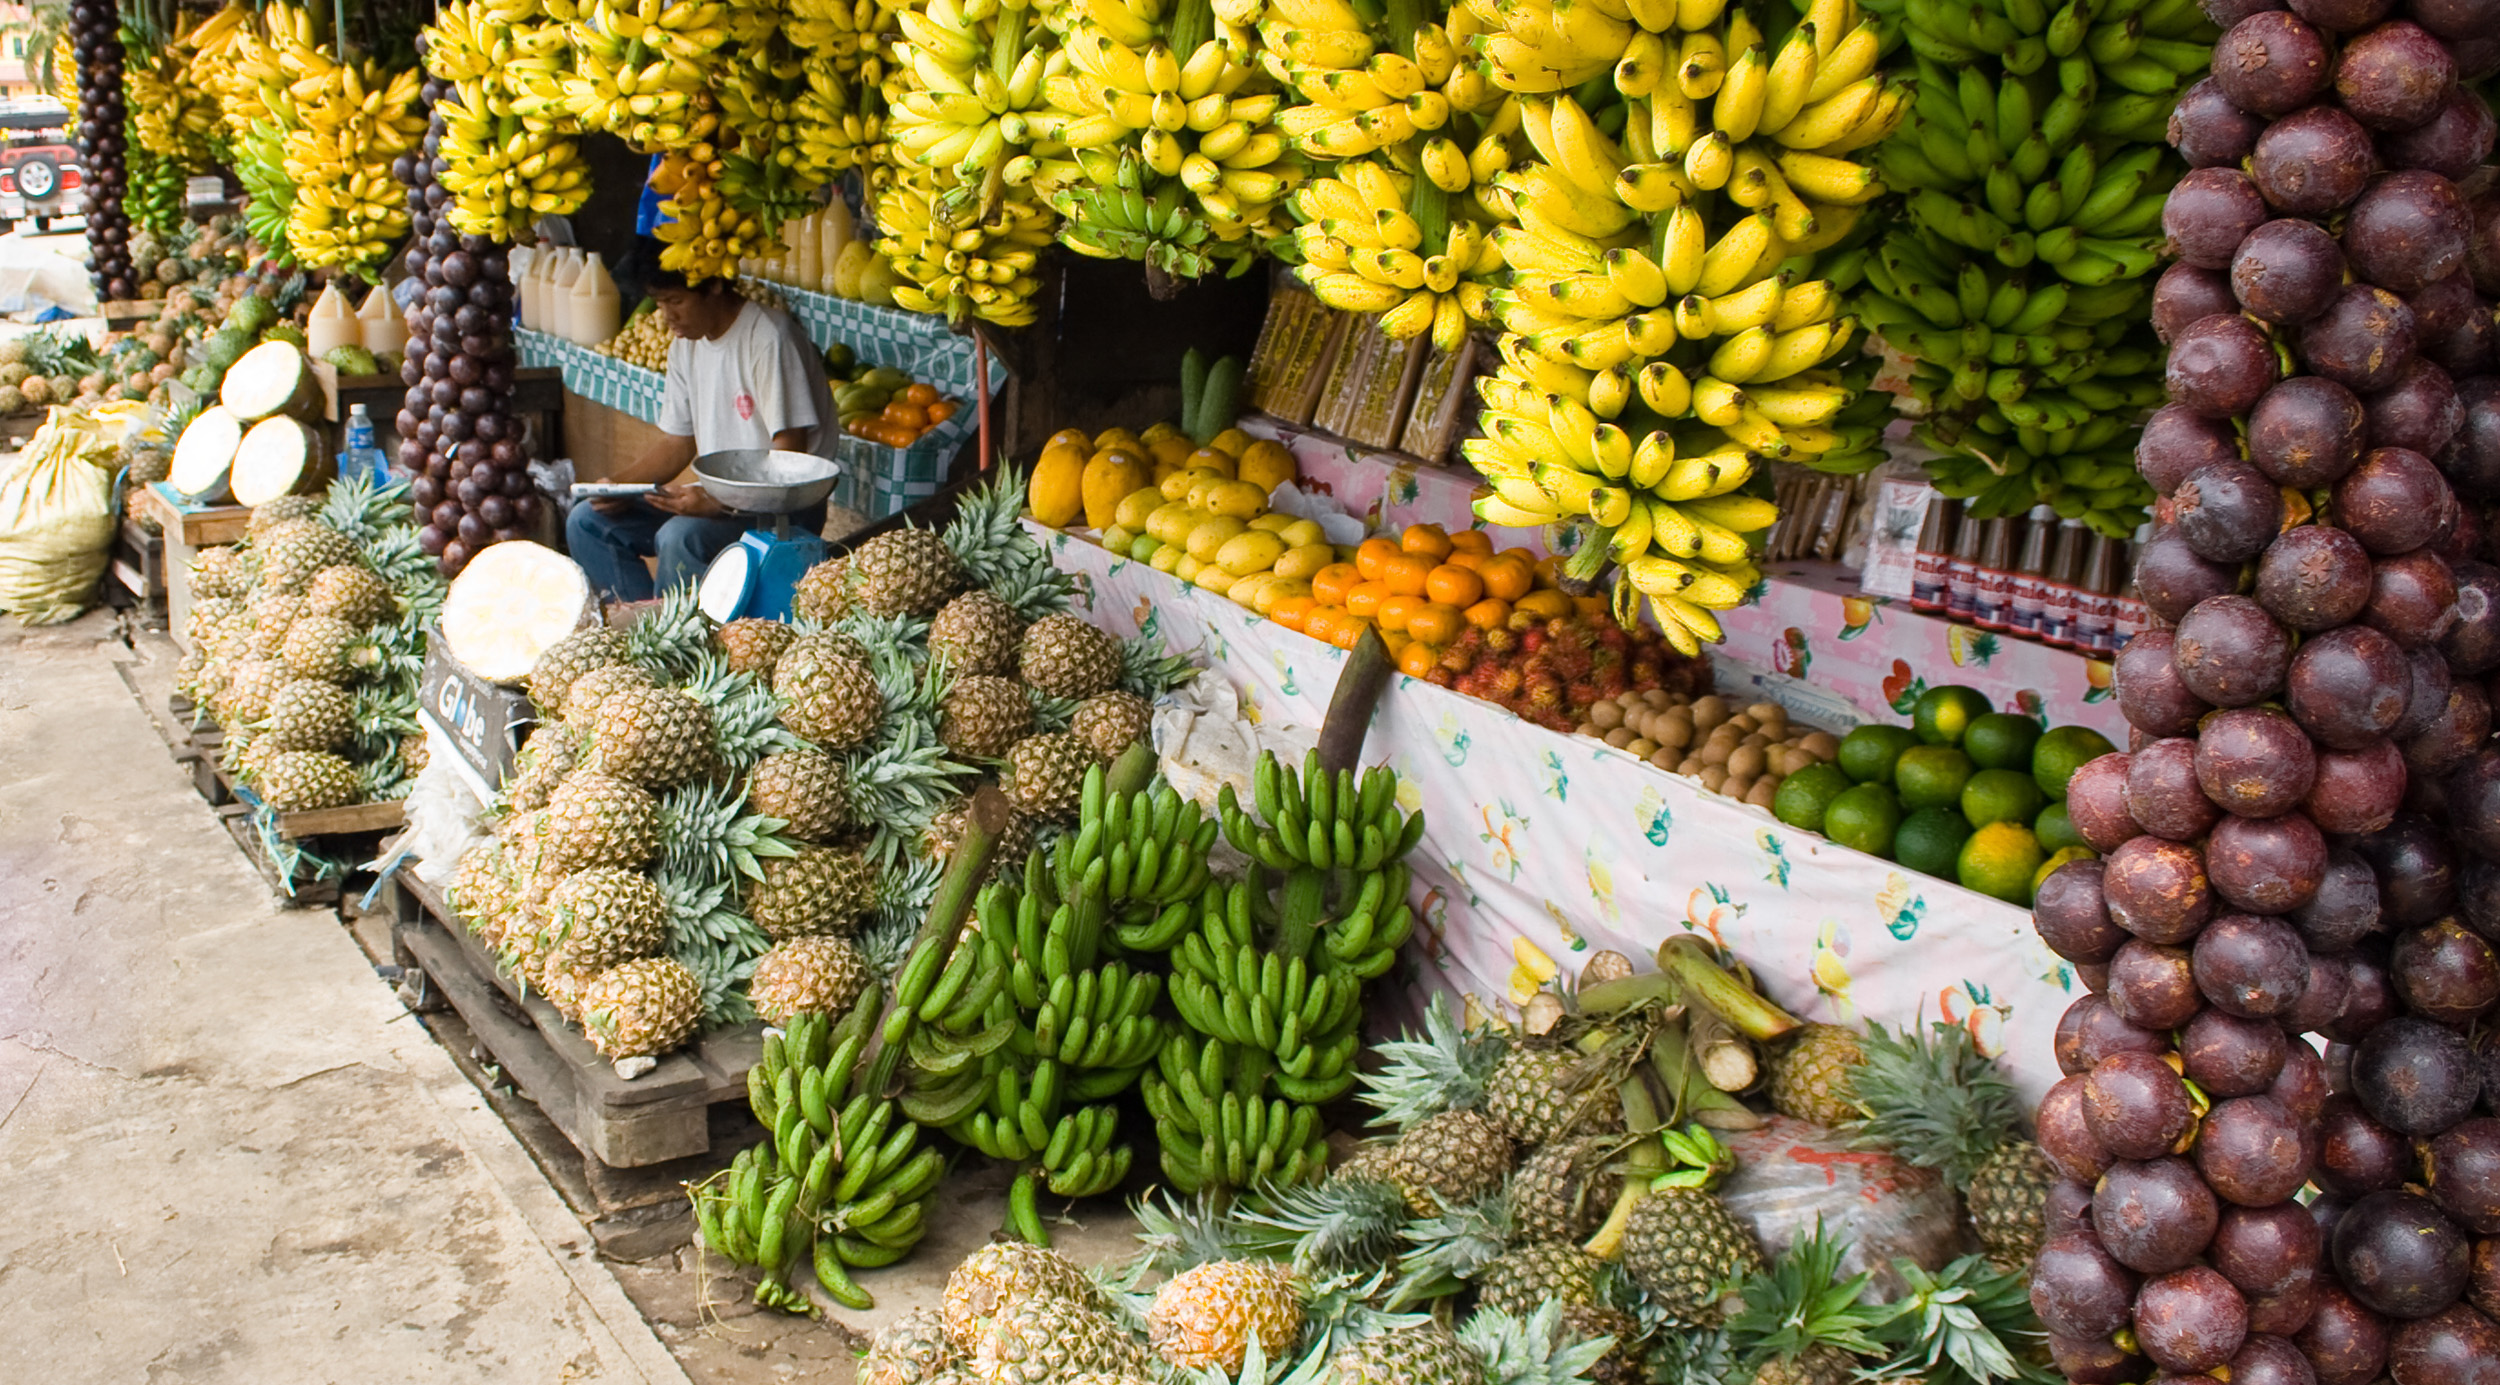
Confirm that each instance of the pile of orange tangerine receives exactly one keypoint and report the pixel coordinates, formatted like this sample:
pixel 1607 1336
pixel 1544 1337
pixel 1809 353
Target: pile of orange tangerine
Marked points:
pixel 1422 589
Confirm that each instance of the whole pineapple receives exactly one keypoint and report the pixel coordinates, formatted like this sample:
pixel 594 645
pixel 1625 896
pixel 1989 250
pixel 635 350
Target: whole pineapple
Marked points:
pixel 1065 657
pixel 250 686
pixel 222 572
pixel 587 694
pixel 823 594
pixel 1111 722
pixel 908 572
pixel 1622 1364
pixel 643 1007
pixel 1208 1315
pixel 602 916
pixel 826 694
pixel 1523 1278
pixel 595 819
pixel 211 616
pixel 910 1350
pixel 274 612
pixel 350 593
pixel 1443 1160
pixel 976 633
pixel 569 658
pixel 2008 1198
pixel 1043 1340
pixel 553 751
pixel 807 976
pixel 984 716
pixel 271 514
pixel 1046 776
pixel 1537 1093
pixel 1002 1274
pixel 1563 1189
pixel 653 736
pixel 483 892
pixel 752 645
pixel 1424 1354
pixel 820 890
pixel 1813 1077
pixel 1937 1102
pixel 294 781
pixel 324 647
pixel 1686 1249
pixel 292 551
pixel 807 789
pixel 564 987
pixel 308 714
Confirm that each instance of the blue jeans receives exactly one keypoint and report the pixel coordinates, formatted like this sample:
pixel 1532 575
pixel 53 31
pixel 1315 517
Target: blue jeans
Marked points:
pixel 611 548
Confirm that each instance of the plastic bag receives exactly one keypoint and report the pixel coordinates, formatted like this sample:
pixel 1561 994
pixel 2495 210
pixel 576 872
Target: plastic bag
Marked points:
pixel 1791 1172
pixel 56 525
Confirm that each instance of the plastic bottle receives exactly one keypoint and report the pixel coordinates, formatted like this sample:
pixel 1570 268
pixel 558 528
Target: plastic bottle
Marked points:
pixel 2031 573
pixel 1962 576
pixel 596 311
pixel 1931 580
pixel 2058 602
pixel 362 457
pixel 835 231
pixel 558 292
pixel 379 323
pixel 811 259
pixel 333 324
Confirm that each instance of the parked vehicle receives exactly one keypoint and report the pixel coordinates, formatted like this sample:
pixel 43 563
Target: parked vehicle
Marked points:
pixel 40 177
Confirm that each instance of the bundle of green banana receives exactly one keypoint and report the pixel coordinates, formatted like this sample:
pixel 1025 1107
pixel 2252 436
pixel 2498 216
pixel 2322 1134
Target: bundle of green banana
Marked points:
pixel 843 1181
pixel 1269 980
pixel 963 259
pixel 269 194
pixel 2018 276
pixel 507 144
pixel 155 200
pixel 767 166
pixel 1665 332
pixel 1022 1030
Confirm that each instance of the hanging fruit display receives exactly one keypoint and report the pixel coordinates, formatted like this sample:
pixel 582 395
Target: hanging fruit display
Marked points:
pixel 504 153
pixel 95 39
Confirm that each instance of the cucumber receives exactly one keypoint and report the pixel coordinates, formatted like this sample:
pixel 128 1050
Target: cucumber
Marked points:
pixel 1193 389
pixel 1221 402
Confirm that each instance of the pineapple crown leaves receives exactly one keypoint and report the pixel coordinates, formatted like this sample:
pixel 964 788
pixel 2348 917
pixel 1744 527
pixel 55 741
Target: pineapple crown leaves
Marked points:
pixel 1051 715
pixel 1339 1311
pixel 1963 1325
pixel 1700 1159
pixel 901 641
pixel 987 533
pixel 746 717
pixel 672 639
pixel 1149 670
pixel 1535 1350
pixel 1181 1234
pixel 1691 1356
pixel 721 972
pixel 1030 585
pixel 1445 1070
pixel 1801 1301
pixel 706 834
pixel 905 780
pixel 699 913
pixel 1933 1099
pixel 381 779
pixel 1336 1223
pixel 885 940
pixel 1452 1248
pixel 906 884
pixel 362 509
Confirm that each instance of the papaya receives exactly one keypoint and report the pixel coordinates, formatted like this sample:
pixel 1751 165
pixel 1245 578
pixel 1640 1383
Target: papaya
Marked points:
pixel 1266 464
pixel 1056 493
pixel 1113 473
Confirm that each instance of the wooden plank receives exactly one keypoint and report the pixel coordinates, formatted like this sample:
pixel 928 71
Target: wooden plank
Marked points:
pixel 237 818
pixel 355 817
pixel 197 526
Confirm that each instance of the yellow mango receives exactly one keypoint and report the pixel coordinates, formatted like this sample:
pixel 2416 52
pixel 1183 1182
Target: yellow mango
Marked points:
pixel 1238 498
pixel 1253 551
pixel 1056 494
pixel 1170 452
pixel 1302 560
pixel 1110 438
pixel 1232 442
pixel 1246 588
pixel 1302 532
pixel 1211 534
pixel 1168 558
pixel 1213 459
pixel 1118 537
pixel 1172 521
pixel 1176 486
pixel 1109 479
pixel 1157 432
pixel 1277 590
pixel 1187 568
pixel 1214 579
pixel 1272 523
pixel 1267 465
pixel 1135 506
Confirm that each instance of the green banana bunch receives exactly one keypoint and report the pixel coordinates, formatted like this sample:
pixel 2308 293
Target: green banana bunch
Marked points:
pixel 2017 276
pixel 155 199
pixel 1119 209
pixel 842 1182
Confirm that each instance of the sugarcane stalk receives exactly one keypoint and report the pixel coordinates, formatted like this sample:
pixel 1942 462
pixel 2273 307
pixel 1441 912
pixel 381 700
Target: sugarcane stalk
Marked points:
pixel 1726 1060
pixel 1689 960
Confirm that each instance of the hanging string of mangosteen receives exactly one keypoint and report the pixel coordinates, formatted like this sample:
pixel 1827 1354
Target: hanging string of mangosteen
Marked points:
pixel 95 39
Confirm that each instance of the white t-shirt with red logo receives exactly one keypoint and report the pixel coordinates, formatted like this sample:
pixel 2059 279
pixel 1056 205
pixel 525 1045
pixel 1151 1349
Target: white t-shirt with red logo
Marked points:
pixel 738 389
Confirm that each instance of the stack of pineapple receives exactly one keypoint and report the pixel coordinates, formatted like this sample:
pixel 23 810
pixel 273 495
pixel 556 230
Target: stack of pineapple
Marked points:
pixel 307 641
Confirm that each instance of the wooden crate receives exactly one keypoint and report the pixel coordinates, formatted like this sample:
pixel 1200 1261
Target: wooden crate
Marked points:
pixel 138 564
pixel 200 756
pixel 196 526
pixel 306 894
pixel 664 1114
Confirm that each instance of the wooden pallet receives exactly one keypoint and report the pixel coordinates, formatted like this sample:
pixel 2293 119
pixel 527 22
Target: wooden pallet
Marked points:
pixel 206 738
pixel 302 894
pixel 664 1114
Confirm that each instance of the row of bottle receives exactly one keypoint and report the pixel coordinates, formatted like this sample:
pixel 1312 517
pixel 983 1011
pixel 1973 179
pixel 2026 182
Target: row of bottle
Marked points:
pixel 377 326
pixel 566 292
pixel 811 249
pixel 2033 575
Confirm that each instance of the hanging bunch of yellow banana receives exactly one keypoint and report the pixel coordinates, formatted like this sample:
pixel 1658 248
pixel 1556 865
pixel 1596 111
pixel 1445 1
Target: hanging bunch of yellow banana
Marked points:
pixel 643 73
pixel 968 78
pixel 1169 123
pixel 1664 335
pixel 964 254
pixel 846 34
pixel 705 235
pixel 228 59
pixel 345 122
pixel 172 113
pixel 507 132
pixel 765 168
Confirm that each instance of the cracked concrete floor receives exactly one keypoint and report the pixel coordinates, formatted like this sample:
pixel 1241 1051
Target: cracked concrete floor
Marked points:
pixel 229 1154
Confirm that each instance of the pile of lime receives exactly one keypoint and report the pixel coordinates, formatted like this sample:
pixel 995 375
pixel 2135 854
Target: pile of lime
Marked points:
pixel 1964 792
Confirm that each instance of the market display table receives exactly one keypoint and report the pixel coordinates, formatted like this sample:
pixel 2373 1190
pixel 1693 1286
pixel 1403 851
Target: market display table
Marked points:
pixel 1541 848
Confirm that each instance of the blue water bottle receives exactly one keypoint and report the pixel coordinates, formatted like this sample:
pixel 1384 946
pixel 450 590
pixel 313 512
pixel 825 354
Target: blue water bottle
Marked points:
pixel 362 458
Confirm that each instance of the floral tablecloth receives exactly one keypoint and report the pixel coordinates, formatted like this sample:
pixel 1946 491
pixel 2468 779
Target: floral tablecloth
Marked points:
pixel 1541 848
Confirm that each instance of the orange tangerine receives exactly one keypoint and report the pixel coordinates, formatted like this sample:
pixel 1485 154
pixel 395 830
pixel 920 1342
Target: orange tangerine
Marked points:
pixel 1544 604
pixel 1320 623
pixel 1396 610
pixel 1418 659
pixel 1548 571
pixel 1425 541
pixel 1594 607
pixel 1472 541
pixel 1435 623
pixel 1452 585
pixel 1406 574
pixel 1349 632
pixel 1365 599
pixel 1492 613
pixel 1292 611
pixel 1331 583
pixel 1395 640
pixel 1372 554
pixel 1467 558
pixel 1507 577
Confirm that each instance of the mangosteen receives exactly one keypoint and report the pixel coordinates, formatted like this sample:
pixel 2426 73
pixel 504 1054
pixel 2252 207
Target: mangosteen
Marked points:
pixel 2400 1255
pixel 2414 1076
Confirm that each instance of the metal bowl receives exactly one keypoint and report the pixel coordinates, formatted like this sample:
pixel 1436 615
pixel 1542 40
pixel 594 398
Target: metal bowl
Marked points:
pixel 766 481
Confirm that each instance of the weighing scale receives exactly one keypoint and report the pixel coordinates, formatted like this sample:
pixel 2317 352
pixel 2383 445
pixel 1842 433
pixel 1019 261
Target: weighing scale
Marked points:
pixel 758 575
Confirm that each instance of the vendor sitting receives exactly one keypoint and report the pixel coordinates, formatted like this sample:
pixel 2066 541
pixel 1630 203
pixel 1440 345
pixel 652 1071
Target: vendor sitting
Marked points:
pixel 740 375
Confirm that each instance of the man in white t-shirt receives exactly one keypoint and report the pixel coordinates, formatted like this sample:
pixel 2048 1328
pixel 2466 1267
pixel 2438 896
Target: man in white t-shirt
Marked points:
pixel 740 375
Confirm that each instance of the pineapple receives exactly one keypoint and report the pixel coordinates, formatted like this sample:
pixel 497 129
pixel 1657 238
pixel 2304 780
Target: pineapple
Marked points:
pixel 1539 1347
pixel 602 916
pixel 1425 1353
pixel 586 694
pixel 1622 1364
pixel 1002 1274
pixel 807 789
pixel 293 550
pixel 827 695
pixel 1111 722
pixel 1046 776
pixel 325 647
pixel 568 659
pixel 1687 1250
pixel 653 736
pixel 907 572
pixel 820 890
pixel 976 633
pixel 596 820
pixel 640 1008
pixel 1562 1190
pixel 1802 1323
pixel 1065 657
pixel 293 781
pixel 1539 1093
pixel 553 751
pixel 911 1350
pixel 1369 1162
pixel 1445 1070
pixel 946 831
pixel 1454 1157
pixel 1935 1101
pixel 270 515
pixel 564 987
pixel 807 976
pixel 309 715
pixel 273 614
pixel 251 684
pixel 984 716
pixel 1537 1272
pixel 1208 1315
pixel 482 892
pixel 1812 1077
pixel 751 645
pixel 222 572
pixel 1043 1340
pixel 350 593
pixel 823 595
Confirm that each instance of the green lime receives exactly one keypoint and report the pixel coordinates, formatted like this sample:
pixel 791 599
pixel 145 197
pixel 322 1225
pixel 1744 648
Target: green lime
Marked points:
pixel 1943 715
pixel 1931 776
pixel 2000 795
pixel 2001 740
pixel 1803 797
pixel 2063 750
pixel 1864 819
pixel 2055 829
pixel 1930 841
pixel 1867 752
pixel 2058 858
pixel 2000 859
